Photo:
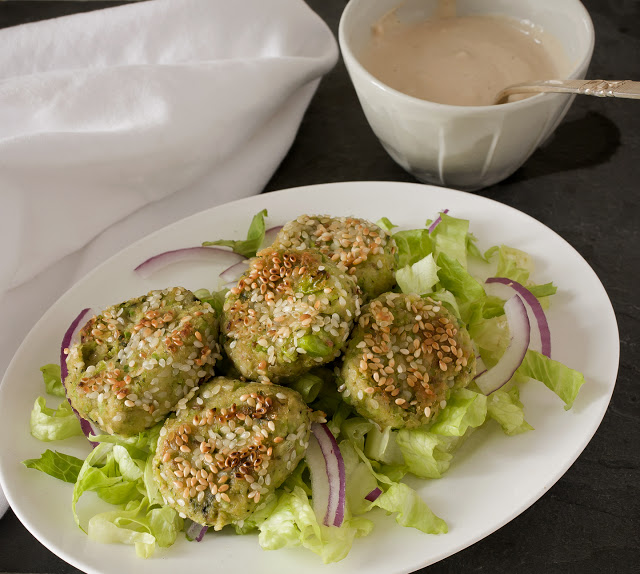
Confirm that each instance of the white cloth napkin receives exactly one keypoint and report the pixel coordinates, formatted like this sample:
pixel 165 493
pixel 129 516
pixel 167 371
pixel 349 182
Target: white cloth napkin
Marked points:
pixel 117 122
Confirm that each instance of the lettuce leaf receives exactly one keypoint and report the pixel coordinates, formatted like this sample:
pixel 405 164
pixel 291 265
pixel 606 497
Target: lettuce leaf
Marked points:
pixel 308 385
pixel 293 523
pixel 512 263
pixel 137 524
pixel 57 464
pixel 465 409
pixel 413 245
pixel 455 278
pixel 450 238
pixel 410 508
pixel 384 223
pixel 49 424
pixel 255 236
pixel 52 380
pixel 419 277
pixel 360 481
pixel 562 380
pixel 504 406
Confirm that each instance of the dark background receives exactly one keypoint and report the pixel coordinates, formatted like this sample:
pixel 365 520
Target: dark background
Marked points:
pixel 584 185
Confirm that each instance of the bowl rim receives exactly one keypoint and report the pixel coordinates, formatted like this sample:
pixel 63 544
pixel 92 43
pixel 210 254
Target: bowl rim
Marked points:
pixel 347 54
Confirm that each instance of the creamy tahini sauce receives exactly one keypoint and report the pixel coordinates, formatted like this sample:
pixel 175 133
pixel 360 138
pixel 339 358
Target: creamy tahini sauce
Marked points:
pixel 460 60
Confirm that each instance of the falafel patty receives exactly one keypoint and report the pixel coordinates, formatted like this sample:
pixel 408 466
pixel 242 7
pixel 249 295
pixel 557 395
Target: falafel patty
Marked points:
pixel 403 358
pixel 139 360
pixel 233 446
pixel 291 311
pixel 361 247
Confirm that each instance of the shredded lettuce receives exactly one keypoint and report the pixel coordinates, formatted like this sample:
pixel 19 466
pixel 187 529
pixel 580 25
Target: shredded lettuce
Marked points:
pixel 49 424
pixel 384 223
pixel 504 407
pixel 410 509
pixel 450 238
pixel 255 236
pixel 139 524
pixel 57 464
pixel 418 278
pixel 52 380
pixel 412 245
pixel 465 409
pixel 456 279
pixel 293 523
pixel 562 380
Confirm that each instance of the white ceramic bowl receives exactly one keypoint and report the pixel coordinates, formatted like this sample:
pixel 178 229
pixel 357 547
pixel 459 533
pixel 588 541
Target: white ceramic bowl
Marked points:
pixel 465 147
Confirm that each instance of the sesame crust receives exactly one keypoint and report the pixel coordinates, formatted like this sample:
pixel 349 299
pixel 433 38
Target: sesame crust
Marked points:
pixel 360 247
pixel 290 312
pixel 230 448
pixel 141 359
pixel 402 360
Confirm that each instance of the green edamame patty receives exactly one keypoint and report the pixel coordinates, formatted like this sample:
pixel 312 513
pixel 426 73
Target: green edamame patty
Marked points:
pixel 141 359
pixel 291 311
pixel 231 447
pixel 365 250
pixel 403 358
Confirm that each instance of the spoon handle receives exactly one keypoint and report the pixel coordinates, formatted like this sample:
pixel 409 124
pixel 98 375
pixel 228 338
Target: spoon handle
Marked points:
pixel 600 88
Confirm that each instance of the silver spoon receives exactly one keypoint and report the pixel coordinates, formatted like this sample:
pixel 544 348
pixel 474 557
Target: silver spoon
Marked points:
pixel 600 88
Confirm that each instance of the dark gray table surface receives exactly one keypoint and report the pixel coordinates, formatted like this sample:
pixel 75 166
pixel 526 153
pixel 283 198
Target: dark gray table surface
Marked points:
pixel 583 184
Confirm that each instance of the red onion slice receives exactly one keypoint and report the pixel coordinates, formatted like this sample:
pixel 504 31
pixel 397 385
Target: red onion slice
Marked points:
pixel 520 331
pixel 233 273
pixel 373 495
pixel 436 222
pixel 270 235
pixel 196 531
pixel 328 476
pixel 200 253
pixel 540 332
pixel 69 336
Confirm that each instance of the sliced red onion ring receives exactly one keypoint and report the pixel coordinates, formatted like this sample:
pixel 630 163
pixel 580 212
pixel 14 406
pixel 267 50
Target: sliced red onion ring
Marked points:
pixel 233 273
pixel 436 222
pixel 200 253
pixel 540 332
pixel 328 478
pixel 373 495
pixel 270 235
pixel 196 531
pixel 69 336
pixel 520 331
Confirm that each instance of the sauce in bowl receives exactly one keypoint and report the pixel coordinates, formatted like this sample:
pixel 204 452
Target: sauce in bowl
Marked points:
pixel 460 60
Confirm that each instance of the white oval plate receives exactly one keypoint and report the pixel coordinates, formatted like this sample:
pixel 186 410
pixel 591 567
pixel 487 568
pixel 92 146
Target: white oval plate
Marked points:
pixel 493 478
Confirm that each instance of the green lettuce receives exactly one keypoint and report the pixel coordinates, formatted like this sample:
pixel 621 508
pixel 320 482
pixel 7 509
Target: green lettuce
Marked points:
pixel 49 424
pixel 419 277
pixel 450 238
pixel 255 236
pixel 562 380
pixel 455 278
pixel 410 509
pixel 384 223
pixel 504 407
pixel 465 409
pixel 139 524
pixel 52 380
pixel 413 245
pixel 512 263
pixel 293 523
pixel 57 464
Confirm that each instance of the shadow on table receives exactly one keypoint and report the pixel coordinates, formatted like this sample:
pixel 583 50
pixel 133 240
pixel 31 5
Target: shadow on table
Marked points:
pixel 585 141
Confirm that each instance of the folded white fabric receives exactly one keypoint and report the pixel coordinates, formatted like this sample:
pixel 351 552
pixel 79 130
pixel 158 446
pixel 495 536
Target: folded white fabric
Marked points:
pixel 105 112
pixel 116 122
